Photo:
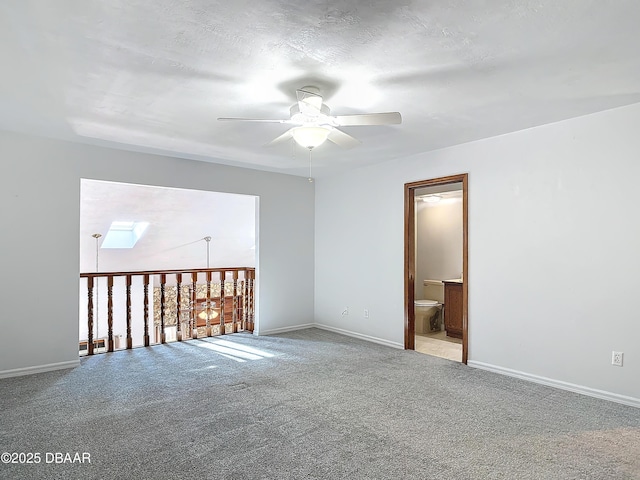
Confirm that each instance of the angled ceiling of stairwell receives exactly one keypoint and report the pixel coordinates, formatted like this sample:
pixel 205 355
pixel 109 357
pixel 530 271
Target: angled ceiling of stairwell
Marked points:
pixel 178 220
pixel 154 75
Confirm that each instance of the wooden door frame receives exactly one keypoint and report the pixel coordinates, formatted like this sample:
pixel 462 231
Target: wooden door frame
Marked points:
pixel 410 257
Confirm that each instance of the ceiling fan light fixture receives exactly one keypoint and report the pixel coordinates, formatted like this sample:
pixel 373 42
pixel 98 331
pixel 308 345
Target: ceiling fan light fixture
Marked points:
pixel 313 122
pixel 310 137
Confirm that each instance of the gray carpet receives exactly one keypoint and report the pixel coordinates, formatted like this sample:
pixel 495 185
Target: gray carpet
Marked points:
pixel 306 404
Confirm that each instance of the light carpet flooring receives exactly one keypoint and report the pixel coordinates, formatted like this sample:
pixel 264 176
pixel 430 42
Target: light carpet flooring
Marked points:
pixel 439 345
pixel 308 404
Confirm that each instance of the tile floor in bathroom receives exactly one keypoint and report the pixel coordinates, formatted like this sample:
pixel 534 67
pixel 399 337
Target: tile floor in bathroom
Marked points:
pixel 439 345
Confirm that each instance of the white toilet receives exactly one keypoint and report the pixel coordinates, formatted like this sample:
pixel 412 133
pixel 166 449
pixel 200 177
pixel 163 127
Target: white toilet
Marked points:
pixel 428 311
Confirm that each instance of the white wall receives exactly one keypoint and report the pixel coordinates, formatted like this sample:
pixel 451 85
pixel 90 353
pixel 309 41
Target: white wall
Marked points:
pixel 553 249
pixel 438 241
pixel 40 198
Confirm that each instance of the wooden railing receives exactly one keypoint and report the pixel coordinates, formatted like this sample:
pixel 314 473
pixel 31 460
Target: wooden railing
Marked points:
pixel 212 301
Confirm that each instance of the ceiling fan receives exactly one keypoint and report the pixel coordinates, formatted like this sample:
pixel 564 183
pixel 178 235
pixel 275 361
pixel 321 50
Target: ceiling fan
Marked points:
pixel 313 123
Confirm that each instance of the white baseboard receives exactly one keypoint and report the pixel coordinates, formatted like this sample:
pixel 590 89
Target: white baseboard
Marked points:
pixel 275 331
pixel 348 333
pixel 592 392
pixel 17 372
pixel 361 336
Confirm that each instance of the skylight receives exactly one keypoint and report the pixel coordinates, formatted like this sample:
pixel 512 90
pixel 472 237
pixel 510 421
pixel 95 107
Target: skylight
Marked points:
pixel 124 234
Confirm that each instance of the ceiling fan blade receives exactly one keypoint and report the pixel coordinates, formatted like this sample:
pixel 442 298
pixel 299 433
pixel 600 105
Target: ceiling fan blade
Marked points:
pixel 282 138
pixel 309 101
pixel 388 118
pixel 265 120
pixel 342 139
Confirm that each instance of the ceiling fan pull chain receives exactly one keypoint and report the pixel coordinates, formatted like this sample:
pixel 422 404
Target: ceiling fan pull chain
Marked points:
pixel 310 178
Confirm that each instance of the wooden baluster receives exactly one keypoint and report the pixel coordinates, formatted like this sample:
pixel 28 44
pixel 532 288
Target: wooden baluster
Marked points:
pixel 194 320
pixel 234 317
pixel 90 316
pixel 190 322
pixel 245 301
pixel 250 304
pixel 163 281
pixel 208 304
pixel 241 303
pixel 178 306
pixel 110 312
pixel 146 310
pixel 223 276
pixel 129 339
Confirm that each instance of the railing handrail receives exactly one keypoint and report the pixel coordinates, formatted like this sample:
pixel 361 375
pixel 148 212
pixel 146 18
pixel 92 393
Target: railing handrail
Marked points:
pixel 160 272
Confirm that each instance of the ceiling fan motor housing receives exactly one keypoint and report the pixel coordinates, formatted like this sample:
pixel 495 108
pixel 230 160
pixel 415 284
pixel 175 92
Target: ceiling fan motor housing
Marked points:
pixel 322 116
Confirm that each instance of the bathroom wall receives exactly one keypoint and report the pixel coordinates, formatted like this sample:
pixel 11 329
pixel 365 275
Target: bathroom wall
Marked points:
pixel 438 241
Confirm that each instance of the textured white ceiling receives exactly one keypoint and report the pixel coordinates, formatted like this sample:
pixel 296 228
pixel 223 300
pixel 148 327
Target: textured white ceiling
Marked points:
pixel 154 75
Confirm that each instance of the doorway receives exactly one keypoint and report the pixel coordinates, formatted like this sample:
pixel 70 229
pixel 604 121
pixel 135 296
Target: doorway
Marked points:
pixel 410 190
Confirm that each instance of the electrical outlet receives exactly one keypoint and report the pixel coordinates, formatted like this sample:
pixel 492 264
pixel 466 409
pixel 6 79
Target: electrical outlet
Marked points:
pixel 616 358
pixel 345 312
pixel 366 313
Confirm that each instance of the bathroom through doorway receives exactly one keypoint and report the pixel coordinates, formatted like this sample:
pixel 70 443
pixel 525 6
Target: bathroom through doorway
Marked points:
pixel 436 273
